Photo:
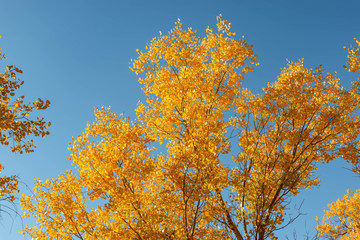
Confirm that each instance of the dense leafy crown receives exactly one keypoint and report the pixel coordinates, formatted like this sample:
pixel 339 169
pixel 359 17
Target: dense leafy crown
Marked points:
pixel 232 161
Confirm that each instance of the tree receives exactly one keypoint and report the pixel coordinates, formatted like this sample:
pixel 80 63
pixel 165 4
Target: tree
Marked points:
pixel 16 125
pixel 233 159
pixel 342 220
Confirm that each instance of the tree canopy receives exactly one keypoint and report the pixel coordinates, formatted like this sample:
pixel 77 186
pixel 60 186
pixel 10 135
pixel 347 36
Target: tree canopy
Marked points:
pixel 205 158
pixel 17 123
pixel 342 220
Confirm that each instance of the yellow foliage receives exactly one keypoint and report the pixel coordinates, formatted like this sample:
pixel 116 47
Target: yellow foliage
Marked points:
pixel 8 187
pixel 353 58
pixel 204 184
pixel 15 124
pixel 342 220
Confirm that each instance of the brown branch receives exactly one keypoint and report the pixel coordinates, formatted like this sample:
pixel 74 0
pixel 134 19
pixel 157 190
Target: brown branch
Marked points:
pixel 229 220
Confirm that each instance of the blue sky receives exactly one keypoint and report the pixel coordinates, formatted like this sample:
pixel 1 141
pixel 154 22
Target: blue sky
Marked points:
pixel 77 54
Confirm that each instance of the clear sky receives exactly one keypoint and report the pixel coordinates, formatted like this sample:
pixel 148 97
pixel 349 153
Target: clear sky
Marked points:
pixel 77 53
